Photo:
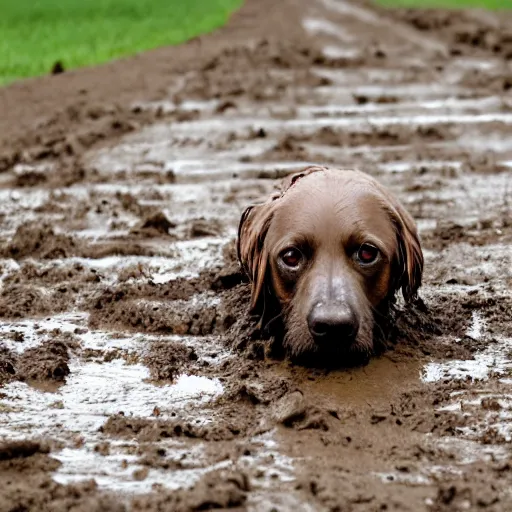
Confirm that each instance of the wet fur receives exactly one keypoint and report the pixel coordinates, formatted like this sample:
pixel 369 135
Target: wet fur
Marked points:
pixel 285 313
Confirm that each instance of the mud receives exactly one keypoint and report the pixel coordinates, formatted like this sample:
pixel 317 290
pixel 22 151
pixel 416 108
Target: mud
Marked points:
pixel 26 482
pixel 132 376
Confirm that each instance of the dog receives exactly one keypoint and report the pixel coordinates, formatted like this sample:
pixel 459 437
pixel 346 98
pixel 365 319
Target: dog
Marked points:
pixel 326 256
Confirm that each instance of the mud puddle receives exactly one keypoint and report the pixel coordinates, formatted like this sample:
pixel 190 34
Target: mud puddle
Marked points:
pixel 120 298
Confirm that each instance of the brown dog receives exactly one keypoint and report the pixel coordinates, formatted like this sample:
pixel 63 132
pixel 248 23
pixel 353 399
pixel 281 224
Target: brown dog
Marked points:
pixel 327 256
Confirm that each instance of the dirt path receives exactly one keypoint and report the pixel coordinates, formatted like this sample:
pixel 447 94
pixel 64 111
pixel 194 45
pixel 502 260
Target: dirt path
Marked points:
pixel 125 354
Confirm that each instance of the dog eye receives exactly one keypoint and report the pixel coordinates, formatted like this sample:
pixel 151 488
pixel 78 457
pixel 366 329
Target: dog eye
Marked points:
pixel 367 254
pixel 291 257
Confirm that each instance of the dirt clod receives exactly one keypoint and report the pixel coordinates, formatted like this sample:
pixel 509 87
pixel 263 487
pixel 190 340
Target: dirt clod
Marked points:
pixel 166 360
pixel 48 362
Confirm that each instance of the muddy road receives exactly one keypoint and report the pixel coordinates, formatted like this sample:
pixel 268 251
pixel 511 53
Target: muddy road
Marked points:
pixel 130 376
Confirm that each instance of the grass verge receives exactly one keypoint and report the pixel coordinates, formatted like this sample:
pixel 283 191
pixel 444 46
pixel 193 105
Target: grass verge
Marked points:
pixel 38 33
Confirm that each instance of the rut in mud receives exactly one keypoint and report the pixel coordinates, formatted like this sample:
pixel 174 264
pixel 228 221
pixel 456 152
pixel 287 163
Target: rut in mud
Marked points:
pixel 128 366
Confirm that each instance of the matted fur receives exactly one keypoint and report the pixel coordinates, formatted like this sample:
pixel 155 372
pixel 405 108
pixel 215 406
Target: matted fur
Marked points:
pixel 253 253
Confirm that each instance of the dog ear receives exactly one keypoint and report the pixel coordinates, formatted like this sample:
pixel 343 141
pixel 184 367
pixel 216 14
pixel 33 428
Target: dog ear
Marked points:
pixel 251 250
pixel 409 266
pixel 253 254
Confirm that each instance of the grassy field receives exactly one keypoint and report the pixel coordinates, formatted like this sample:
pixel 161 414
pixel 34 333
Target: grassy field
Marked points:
pixel 34 34
pixel 486 4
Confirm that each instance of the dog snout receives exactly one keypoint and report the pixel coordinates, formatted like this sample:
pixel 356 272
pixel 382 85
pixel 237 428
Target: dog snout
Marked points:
pixel 334 322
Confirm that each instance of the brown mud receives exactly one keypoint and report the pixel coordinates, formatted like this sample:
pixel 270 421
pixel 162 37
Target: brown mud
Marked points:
pixel 132 377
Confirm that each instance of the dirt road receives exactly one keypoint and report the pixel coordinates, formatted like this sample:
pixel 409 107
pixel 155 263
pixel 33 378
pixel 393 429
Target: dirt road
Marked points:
pixel 130 376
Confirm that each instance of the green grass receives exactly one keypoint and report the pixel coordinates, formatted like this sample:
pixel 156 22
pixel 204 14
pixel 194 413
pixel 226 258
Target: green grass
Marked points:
pixel 34 34
pixel 485 4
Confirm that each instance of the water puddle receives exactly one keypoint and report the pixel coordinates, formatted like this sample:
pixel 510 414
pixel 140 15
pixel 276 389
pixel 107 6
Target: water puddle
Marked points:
pixel 447 105
pixel 168 107
pixel 30 333
pixel 121 472
pixel 190 257
pixel 309 124
pixel 322 26
pixel 92 393
pixel 494 359
pixel 336 52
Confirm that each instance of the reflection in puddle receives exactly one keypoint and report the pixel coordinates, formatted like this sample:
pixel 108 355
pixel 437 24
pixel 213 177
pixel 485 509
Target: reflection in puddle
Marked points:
pixel 30 333
pixel 494 359
pixel 404 478
pixel 119 471
pixel 166 107
pixel 279 126
pixel 488 404
pixel 450 105
pixel 477 326
pixel 479 368
pixel 92 393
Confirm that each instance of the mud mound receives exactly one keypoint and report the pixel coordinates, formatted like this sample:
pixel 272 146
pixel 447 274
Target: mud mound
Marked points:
pixel 21 449
pixel 202 227
pixel 233 73
pixel 389 136
pixel 149 316
pixel 179 289
pixel 479 233
pixel 7 365
pixel 293 147
pixel 222 489
pixel 155 224
pixel 466 31
pixel 494 310
pixel 152 430
pixel 36 241
pixel 40 492
pixel 53 273
pixel 498 83
pixel 455 496
pixel 124 246
pixel 32 240
pixel 166 360
pixel 22 300
pixel 181 306
pixel 18 301
pixel 47 362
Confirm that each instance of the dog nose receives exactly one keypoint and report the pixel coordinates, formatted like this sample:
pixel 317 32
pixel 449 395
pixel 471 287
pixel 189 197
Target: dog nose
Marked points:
pixel 333 323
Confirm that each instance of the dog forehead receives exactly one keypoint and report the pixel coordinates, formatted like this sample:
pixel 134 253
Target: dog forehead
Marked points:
pixel 326 177
pixel 325 189
pixel 334 201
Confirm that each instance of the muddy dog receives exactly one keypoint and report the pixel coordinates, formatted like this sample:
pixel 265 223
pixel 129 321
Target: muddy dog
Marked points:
pixel 326 257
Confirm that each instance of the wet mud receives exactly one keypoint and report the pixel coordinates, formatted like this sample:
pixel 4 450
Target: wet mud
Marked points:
pixel 132 376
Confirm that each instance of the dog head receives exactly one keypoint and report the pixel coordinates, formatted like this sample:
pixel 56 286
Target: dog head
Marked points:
pixel 325 255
